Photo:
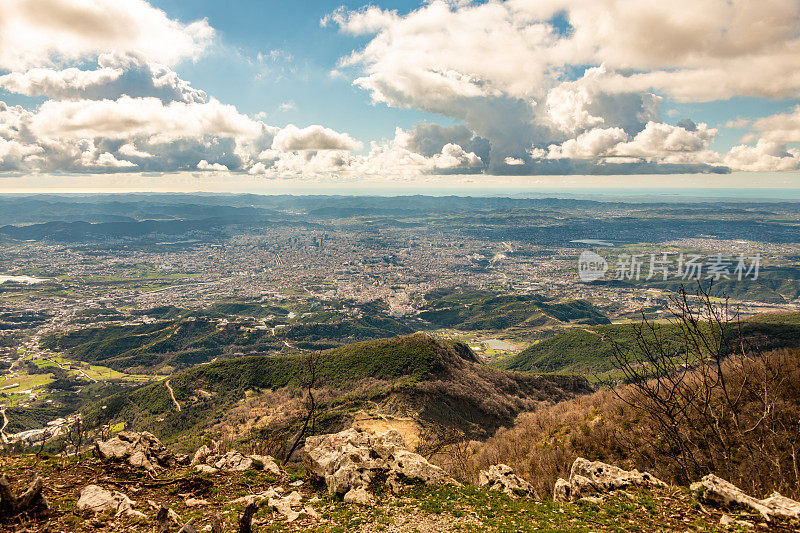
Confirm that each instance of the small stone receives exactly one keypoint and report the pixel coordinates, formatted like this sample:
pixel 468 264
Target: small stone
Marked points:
pixel 393 480
pixel 205 469
pixel 359 496
pixel 98 499
pixel 286 504
pixel 310 511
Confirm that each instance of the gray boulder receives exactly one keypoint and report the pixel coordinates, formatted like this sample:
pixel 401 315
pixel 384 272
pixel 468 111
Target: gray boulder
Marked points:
pixel 352 459
pixel 98 499
pixel 593 480
pixel 287 505
pixel 201 455
pixel 359 496
pixel 266 463
pixel 562 492
pixel 718 492
pixel 205 469
pixel 502 478
pixel 209 460
pixel 234 461
pixel 140 450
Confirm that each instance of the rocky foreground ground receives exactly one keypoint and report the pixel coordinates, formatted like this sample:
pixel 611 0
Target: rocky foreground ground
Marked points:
pixel 352 481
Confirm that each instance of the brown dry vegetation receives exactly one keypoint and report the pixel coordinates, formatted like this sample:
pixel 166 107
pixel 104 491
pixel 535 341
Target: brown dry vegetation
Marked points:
pixel 759 453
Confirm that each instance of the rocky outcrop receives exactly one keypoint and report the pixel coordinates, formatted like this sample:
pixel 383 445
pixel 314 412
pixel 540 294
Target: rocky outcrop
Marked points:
pixel 352 459
pixel 716 491
pixel 209 460
pixel 195 502
pixel 140 450
pixel 266 463
pixel 234 461
pixel 97 499
pixel 502 478
pixel 203 453
pixel 782 506
pixel 592 480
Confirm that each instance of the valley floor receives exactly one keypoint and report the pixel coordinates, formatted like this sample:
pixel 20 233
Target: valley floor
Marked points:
pixel 418 509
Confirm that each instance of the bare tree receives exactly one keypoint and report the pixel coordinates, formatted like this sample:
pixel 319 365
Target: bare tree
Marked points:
pixel 436 438
pixel 76 435
pixel 709 393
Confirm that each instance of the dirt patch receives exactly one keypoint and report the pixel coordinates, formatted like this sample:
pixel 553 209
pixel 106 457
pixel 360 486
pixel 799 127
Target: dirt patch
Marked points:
pixel 376 424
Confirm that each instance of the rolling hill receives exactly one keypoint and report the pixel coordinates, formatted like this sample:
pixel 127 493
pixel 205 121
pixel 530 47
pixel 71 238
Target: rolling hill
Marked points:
pixel 438 382
pixel 179 343
pixel 472 309
pixel 588 351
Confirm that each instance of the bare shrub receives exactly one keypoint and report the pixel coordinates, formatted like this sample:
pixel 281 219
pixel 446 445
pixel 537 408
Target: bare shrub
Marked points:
pixel 542 445
pixel 714 403
pixel 711 403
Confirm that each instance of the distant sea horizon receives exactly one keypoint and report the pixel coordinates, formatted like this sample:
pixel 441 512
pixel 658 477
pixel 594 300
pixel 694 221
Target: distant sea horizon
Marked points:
pixel 735 187
pixel 675 195
pixel 600 194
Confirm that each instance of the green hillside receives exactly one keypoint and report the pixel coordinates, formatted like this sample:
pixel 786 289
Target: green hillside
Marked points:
pixel 180 343
pixel 774 285
pixel 440 380
pixel 589 351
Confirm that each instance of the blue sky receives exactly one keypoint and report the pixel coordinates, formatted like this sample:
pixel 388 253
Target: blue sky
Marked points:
pixel 398 90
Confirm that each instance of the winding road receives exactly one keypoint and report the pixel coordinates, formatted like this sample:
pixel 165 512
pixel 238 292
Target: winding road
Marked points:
pixel 5 423
pixel 172 395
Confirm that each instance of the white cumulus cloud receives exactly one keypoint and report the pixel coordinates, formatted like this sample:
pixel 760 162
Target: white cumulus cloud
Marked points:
pixel 508 69
pixel 116 75
pixel 316 137
pixel 34 33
